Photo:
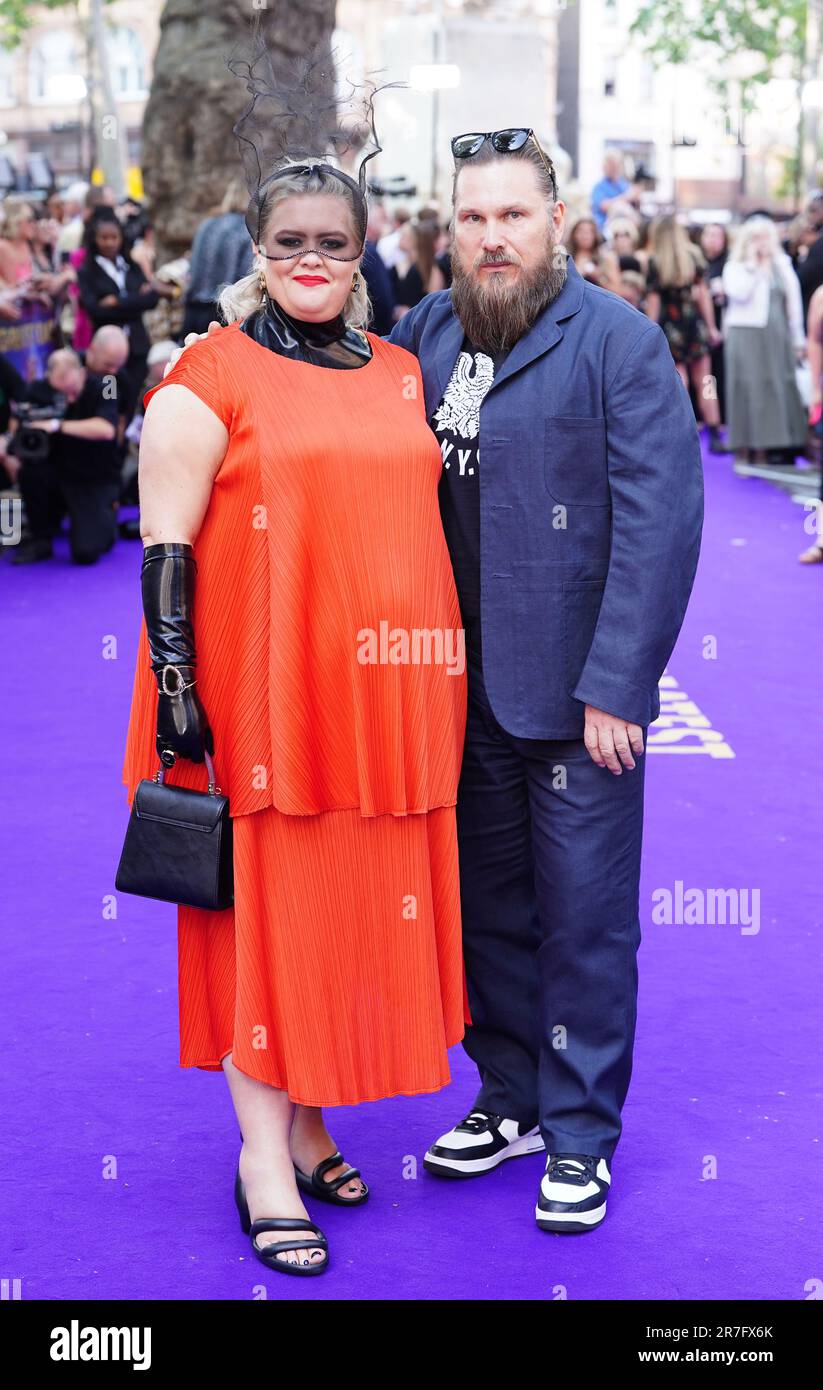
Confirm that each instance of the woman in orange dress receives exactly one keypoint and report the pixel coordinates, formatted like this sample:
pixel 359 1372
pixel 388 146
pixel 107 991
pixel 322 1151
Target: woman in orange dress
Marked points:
pixel 287 463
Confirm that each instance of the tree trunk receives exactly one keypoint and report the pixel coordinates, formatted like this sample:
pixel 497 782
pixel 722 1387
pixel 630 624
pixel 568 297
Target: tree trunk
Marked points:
pixel 189 151
pixel 110 139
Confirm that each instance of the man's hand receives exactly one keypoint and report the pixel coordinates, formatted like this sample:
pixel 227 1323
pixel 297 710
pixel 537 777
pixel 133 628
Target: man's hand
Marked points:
pixel 187 342
pixel 610 740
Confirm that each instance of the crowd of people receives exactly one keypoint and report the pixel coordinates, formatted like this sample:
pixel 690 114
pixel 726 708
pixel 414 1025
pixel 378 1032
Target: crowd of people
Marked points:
pixel 88 322
pixel 742 310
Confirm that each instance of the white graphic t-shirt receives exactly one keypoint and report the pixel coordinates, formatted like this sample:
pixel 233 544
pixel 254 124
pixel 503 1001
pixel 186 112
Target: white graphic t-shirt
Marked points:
pixel 456 422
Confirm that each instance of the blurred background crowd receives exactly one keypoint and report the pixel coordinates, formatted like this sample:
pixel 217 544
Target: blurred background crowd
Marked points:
pixel 97 286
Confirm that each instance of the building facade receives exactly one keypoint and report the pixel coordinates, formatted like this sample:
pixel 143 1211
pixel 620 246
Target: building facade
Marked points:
pixel 703 158
pixel 569 68
pixel 44 82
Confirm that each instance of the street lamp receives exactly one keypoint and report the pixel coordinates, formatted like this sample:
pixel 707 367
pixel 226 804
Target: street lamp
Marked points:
pixel 70 87
pixel 434 78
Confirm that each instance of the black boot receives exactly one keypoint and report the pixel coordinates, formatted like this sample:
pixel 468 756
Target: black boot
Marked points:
pixel 167 578
pixel 29 551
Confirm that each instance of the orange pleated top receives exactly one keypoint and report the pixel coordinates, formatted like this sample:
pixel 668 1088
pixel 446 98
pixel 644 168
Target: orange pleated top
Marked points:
pixel 323 527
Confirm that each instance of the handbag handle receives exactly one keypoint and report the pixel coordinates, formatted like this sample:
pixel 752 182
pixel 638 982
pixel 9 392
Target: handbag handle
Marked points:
pixel 214 790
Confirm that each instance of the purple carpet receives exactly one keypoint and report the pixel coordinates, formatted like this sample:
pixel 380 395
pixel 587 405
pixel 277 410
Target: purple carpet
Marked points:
pixel 118 1166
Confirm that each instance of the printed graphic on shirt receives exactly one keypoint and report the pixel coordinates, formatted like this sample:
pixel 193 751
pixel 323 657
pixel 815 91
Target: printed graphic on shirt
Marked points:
pixel 458 415
pixel 456 422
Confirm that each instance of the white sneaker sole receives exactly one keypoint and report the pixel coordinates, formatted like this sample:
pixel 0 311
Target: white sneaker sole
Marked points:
pixel 569 1220
pixel 470 1167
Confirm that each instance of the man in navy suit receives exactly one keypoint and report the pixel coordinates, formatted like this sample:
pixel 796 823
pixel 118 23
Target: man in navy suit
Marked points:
pixel 574 543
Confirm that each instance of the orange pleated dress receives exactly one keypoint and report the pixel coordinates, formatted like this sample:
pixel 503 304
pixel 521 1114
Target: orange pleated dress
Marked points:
pixel 329 662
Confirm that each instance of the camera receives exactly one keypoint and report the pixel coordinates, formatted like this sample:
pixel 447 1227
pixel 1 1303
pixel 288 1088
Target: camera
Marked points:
pixel 28 444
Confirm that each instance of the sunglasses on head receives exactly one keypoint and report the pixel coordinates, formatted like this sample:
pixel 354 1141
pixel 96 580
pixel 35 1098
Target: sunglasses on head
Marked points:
pixel 504 142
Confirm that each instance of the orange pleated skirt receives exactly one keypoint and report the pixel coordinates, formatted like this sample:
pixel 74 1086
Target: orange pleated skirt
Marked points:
pixel 337 976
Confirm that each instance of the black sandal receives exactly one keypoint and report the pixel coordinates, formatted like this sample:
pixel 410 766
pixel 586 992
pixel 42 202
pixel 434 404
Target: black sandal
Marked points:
pixel 316 1184
pixel 267 1254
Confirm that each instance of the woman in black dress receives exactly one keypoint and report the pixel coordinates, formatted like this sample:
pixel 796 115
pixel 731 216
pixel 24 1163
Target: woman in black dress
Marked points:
pixel 416 272
pixel 113 289
pixel 678 298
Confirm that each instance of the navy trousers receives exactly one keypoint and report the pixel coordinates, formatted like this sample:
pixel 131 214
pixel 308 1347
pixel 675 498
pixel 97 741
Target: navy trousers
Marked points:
pixel 549 848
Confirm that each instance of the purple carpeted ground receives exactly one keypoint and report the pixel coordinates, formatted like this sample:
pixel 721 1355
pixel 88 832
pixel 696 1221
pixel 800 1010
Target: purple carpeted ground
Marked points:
pixel 118 1166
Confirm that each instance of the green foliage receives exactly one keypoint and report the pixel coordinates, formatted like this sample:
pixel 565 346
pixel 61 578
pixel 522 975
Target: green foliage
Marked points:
pixel 719 31
pixel 16 16
pixel 788 180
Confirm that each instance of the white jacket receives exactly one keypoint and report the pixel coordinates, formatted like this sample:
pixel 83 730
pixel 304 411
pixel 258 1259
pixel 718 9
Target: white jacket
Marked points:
pixel 746 287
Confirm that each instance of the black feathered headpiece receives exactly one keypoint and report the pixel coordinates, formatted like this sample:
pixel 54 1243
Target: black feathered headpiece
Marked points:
pixel 301 115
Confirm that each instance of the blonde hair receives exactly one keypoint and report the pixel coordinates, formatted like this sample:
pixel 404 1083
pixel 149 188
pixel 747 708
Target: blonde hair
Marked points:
pixel 675 254
pixel 15 210
pixel 752 227
pixel 239 300
pixel 622 226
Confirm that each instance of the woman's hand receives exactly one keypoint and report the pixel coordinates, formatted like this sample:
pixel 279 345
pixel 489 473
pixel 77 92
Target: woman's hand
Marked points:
pixel 182 726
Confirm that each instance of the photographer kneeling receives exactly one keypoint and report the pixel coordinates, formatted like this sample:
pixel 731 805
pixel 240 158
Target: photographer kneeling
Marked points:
pixel 66 441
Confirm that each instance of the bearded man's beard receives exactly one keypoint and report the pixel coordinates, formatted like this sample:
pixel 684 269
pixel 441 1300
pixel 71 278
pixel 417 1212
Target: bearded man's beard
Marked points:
pixel 495 314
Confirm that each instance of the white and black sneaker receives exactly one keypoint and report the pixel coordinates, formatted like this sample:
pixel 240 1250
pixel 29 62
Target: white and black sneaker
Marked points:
pixel 573 1193
pixel 479 1143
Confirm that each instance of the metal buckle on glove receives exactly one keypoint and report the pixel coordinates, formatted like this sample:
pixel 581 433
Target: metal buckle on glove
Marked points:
pixel 183 684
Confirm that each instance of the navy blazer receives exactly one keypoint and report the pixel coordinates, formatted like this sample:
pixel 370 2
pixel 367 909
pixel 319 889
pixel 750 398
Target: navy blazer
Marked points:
pixel 591 507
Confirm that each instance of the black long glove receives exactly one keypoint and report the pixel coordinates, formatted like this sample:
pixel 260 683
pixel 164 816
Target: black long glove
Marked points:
pixel 167 580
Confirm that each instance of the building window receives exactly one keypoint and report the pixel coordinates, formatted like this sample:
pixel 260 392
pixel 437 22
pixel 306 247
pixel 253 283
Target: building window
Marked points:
pixel 127 60
pixel 54 67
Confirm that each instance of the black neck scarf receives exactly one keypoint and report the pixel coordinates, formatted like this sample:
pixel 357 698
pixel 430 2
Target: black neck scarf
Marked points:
pixel 329 344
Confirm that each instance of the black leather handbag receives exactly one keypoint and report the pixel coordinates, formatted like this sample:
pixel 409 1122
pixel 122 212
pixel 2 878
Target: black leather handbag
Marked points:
pixel 179 845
